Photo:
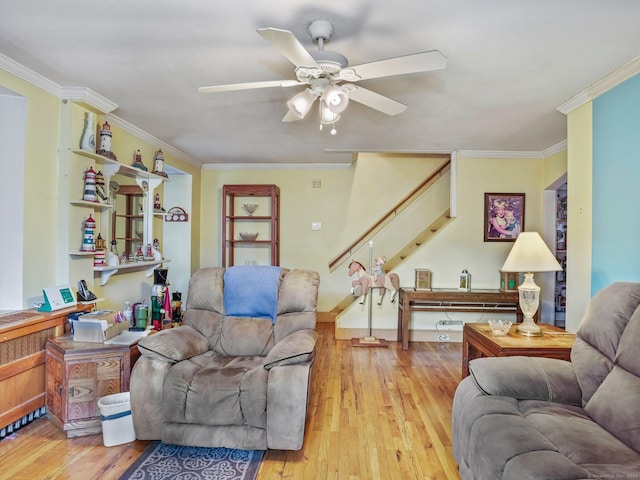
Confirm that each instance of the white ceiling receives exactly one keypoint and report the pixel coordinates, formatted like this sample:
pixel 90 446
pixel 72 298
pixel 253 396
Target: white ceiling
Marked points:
pixel 511 64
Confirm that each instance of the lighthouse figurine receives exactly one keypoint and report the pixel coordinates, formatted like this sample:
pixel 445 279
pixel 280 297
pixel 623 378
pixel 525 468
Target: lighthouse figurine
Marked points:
pixel 90 185
pixel 158 164
pixel 88 243
pixel 137 161
pixel 105 142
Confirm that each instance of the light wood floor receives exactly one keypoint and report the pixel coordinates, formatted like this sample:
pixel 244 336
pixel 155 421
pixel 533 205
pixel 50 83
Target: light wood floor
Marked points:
pixel 374 413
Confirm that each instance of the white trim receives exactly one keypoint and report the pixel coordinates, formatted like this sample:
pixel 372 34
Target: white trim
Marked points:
pixel 603 85
pixel 553 149
pixel 274 166
pixel 500 154
pixel 89 97
pixel 390 151
pixel 28 75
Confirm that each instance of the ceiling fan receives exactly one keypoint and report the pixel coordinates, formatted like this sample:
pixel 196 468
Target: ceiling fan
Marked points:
pixel 323 72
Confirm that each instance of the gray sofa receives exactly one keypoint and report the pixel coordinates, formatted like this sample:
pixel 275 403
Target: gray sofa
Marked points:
pixel 521 418
pixel 225 378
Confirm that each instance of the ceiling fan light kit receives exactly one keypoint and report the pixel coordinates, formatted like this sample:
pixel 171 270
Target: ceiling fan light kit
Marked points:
pixel 323 71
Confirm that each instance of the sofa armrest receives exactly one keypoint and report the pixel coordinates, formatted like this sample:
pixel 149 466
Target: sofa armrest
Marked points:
pixel 174 344
pixel 298 347
pixel 527 378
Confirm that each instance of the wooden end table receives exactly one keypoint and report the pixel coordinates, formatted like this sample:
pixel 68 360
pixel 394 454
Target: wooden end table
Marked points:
pixel 478 341
pixel 78 374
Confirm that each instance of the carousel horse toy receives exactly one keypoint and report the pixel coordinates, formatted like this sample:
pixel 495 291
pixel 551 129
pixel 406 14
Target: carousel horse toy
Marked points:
pixel 366 282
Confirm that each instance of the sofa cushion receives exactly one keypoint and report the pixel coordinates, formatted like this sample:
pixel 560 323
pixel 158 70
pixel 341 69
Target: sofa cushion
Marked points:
pixel 296 292
pixel 539 378
pixel 502 430
pixel 206 290
pixel 299 347
pixel 594 352
pixel 615 406
pixel 175 344
pixel 236 391
pixel 240 336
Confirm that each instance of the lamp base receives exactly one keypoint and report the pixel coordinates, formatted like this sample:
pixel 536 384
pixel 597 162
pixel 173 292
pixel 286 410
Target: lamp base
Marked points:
pixel 528 328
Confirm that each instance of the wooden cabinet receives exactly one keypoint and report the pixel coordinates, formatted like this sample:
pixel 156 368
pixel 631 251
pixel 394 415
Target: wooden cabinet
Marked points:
pixel 22 363
pixel 239 219
pixel 78 375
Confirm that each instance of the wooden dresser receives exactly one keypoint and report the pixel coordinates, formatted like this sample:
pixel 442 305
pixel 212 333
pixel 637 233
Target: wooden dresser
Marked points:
pixel 22 362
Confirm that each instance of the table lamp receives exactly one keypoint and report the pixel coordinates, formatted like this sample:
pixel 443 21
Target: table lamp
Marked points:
pixel 530 254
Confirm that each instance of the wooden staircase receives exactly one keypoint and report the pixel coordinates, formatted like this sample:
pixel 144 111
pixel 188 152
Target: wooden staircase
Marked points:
pixel 423 236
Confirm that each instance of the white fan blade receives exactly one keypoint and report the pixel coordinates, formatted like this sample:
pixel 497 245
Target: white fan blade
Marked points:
pixel 375 100
pixel 247 86
pixel 418 62
pixel 289 46
pixel 290 117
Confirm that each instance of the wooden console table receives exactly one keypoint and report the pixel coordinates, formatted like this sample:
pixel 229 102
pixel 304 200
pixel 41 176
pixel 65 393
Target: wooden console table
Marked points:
pixel 478 341
pixel 449 300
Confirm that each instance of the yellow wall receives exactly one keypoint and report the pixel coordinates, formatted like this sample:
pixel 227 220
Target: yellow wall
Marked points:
pixel 579 213
pixel 40 199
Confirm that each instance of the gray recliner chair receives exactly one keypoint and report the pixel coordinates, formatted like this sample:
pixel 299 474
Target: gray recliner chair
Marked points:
pixel 236 374
pixel 518 418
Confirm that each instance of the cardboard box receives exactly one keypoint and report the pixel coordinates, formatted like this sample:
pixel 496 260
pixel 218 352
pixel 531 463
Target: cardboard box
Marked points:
pixel 97 327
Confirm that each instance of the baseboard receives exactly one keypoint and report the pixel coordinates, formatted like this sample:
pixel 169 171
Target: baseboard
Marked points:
pixel 392 334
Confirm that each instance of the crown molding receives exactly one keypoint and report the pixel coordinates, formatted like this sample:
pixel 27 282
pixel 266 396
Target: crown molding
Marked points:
pixel 29 76
pixel 500 154
pixel 601 86
pixel 89 98
pixel 275 166
pixel 553 149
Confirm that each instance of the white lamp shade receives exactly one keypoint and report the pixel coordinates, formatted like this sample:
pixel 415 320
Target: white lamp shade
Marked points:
pixel 335 99
pixel 326 115
pixel 300 104
pixel 530 254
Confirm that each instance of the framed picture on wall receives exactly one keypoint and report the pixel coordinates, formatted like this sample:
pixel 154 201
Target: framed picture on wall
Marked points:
pixel 503 216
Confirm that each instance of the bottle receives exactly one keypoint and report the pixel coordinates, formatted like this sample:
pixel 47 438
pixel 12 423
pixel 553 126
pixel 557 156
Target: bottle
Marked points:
pixel 88 139
pixel 127 312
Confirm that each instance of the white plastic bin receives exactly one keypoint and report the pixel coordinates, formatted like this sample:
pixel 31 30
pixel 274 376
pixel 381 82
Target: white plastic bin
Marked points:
pixel 117 424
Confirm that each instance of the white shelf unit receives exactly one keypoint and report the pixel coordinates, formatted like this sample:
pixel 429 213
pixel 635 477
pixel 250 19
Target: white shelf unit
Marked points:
pixel 81 263
pixel 108 270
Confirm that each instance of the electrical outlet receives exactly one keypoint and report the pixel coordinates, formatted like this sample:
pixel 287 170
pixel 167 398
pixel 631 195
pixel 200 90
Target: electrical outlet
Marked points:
pixel 443 337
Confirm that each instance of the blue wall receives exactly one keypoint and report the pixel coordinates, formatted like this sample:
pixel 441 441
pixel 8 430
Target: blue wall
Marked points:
pixel 616 186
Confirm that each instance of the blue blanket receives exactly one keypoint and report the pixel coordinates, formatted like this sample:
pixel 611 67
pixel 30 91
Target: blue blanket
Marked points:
pixel 251 291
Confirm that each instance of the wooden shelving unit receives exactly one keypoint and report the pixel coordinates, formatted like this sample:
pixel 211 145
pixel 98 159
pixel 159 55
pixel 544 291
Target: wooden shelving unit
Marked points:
pixel 265 221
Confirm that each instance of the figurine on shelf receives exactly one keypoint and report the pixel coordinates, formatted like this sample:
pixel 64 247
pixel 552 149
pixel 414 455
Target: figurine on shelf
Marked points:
pixel 88 244
pixel 101 193
pixel 88 139
pixel 105 142
pixel 156 244
pixel 157 207
pixel 158 164
pixel 90 185
pixel 137 161
pixel 101 243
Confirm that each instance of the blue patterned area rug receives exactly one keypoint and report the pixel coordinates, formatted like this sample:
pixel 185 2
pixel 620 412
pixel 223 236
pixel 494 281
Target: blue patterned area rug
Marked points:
pixel 162 461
